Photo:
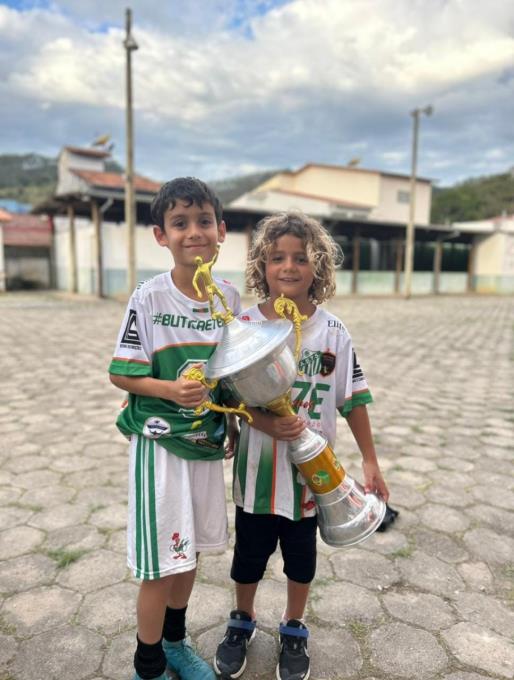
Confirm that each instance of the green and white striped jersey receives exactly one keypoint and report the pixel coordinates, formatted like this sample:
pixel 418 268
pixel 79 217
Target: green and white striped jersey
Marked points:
pixel 163 333
pixel 329 380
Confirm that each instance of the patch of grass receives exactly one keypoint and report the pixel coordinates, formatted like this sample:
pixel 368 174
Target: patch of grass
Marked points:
pixel 6 628
pixel 358 629
pixel 65 557
pixel 406 551
pixel 509 571
pixel 424 487
pixel 26 506
pixel 417 428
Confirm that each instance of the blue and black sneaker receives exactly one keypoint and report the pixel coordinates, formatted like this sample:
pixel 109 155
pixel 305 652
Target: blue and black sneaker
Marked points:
pixel 230 657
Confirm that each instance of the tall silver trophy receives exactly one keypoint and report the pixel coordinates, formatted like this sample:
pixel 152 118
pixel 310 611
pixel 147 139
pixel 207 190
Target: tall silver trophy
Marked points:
pixel 255 362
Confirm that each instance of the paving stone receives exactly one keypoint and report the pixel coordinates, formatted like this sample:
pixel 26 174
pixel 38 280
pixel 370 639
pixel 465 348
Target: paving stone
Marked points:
pixel 489 546
pixel 14 515
pixel 446 548
pixel 442 518
pixel 93 571
pixel 458 498
pixel 48 496
pixel 428 573
pixel 387 542
pixel 461 675
pixel 119 658
pixel 480 648
pixel 36 479
pixel 443 426
pixel 71 463
pixel 407 652
pixel 365 569
pixel 73 538
pixel 8 648
pixel 341 603
pixel 19 540
pixel 420 609
pixel 28 571
pixel 39 609
pixel 9 495
pixel 66 652
pixel 480 609
pixel 477 575
pixel 117 541
pixel 338 657
pixel 113 516
pixel 209 605
pixel 59 516
pixel 110 610
pixel 504 498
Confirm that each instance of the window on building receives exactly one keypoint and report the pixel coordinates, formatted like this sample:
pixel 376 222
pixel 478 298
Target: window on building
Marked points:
pixel 403 196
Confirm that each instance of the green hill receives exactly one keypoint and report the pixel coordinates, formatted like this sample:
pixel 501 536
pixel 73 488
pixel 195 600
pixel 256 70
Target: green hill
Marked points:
pixel 30 178
pixel 474 199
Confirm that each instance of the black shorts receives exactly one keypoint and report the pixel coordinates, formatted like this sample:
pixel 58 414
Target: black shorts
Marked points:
pixel 257 537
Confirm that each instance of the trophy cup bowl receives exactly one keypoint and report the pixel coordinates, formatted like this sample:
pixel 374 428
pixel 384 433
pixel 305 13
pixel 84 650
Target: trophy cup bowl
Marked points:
pixel 258 367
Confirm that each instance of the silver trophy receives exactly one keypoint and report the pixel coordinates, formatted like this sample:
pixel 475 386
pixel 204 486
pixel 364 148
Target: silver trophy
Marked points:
pixel 256 363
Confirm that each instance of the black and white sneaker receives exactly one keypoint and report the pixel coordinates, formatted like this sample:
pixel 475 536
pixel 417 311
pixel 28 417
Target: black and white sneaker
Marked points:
pixel 230 657
pixel 294 662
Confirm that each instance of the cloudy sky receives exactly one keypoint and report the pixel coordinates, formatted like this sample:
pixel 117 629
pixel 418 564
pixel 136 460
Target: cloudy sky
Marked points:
pixel 225 87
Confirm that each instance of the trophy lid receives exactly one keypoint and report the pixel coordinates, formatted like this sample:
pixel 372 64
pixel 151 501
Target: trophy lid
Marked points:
pixel 243 343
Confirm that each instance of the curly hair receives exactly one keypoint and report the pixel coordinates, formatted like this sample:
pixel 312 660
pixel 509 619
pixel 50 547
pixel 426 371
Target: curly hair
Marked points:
pixel 323 253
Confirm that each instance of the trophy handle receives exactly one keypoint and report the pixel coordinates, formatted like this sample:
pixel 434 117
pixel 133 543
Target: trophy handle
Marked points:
pixel 283 307
pixel 195 373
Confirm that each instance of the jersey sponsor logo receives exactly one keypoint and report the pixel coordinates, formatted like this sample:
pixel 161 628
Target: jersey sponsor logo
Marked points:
pixel 194 436
pixel 130 336
pixel 156 427
pixel 334 323
pixel 181 321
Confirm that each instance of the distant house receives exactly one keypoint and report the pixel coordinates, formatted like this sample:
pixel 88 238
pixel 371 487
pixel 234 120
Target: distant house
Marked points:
pixel 88 213
pixel 493 266
pixel 336 192
pixel 25 251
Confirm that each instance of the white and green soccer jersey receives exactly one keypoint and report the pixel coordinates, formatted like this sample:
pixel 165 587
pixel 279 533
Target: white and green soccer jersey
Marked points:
pixel 163 333
pixel 329 380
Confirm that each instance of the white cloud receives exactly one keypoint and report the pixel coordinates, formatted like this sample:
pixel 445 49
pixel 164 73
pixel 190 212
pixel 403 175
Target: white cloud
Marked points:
pixel 226 85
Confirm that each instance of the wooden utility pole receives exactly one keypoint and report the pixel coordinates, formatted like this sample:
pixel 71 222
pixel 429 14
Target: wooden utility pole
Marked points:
pixel 130 46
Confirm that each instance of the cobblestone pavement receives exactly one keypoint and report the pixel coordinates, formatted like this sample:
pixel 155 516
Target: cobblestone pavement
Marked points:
pixel 430 599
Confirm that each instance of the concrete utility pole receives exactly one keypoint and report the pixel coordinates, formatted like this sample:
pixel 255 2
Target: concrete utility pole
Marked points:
pixel 409 240
pixel 130 205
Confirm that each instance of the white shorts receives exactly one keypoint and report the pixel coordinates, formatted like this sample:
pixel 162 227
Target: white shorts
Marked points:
pixel 176 508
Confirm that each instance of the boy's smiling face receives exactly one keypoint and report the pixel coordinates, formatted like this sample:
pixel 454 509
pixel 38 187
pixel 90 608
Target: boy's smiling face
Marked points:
pixel 190 231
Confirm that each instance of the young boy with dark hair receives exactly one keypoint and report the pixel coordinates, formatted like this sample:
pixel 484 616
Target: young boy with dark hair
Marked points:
pixel 176 487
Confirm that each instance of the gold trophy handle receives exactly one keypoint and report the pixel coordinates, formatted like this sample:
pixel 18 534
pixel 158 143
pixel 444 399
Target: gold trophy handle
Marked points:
pixel 283 307
pixel 195 373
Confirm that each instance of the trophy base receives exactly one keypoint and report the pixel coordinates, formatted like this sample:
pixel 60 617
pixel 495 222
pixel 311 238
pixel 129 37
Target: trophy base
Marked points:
pixel 347 515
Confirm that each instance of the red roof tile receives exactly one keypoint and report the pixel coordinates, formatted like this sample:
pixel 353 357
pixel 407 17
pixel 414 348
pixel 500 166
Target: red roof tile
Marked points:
pixel 111 180
pixel 27 230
